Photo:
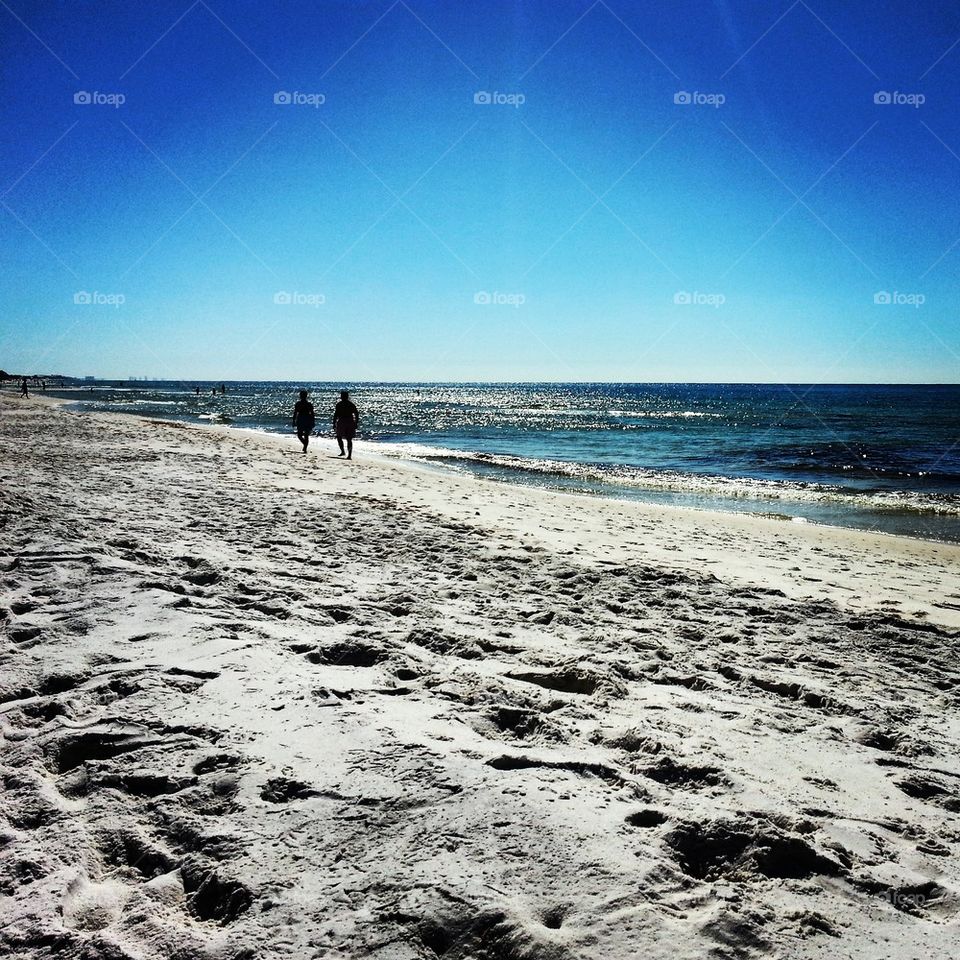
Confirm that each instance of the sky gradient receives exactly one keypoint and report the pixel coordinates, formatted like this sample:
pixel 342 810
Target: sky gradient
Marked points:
pixel 399 230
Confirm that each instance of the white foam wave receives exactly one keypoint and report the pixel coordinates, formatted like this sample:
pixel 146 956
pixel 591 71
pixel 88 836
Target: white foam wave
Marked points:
pixel 671 482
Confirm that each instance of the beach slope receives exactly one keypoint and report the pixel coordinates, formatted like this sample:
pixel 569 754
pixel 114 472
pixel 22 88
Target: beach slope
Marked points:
pixel 259 704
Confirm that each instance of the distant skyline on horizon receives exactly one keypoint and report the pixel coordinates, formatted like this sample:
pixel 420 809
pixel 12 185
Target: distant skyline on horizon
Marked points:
pixel 351 384
pixel 410 191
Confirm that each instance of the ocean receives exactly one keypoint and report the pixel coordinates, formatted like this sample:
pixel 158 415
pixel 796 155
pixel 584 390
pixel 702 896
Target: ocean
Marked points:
pixel 877 457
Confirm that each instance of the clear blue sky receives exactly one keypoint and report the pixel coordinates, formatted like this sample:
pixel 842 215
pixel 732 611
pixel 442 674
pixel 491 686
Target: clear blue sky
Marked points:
pixel 589 209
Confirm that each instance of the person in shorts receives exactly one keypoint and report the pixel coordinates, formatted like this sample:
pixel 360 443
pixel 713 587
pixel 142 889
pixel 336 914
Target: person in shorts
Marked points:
pixel 346 419
pixel 303 419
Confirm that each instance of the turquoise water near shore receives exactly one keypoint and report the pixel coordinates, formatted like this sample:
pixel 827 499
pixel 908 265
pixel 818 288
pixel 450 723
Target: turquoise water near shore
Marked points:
pixel 881 457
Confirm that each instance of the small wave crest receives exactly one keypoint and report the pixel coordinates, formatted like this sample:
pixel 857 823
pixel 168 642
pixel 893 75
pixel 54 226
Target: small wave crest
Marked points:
pixel 593 476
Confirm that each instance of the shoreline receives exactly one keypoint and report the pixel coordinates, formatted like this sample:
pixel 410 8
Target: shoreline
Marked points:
pixel 257 703
pixel 938 599
pixel 814 500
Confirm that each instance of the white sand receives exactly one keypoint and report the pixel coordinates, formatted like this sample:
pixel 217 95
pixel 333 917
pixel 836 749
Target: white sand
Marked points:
pixel 257 704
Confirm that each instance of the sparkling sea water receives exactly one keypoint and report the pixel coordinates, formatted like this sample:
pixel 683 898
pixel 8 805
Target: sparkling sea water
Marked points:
pixel 879 457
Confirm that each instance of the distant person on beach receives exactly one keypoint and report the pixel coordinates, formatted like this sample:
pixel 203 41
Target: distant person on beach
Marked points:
pixel 303 419
pixel 24 391
pixel 346 419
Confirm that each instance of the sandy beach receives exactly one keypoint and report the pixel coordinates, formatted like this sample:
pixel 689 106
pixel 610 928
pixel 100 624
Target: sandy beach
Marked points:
pixel 260 704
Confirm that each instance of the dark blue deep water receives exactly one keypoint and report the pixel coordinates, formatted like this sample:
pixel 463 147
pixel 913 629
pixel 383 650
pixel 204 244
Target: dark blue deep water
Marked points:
pixel 875 457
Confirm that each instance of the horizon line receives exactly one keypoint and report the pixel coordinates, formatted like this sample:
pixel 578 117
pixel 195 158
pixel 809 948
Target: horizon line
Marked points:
pixel 751 383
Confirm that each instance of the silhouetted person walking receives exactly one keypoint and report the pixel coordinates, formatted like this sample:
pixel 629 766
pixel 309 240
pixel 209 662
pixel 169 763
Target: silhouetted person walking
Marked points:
pixel 303 419
pixel 346 419
pixel 24 392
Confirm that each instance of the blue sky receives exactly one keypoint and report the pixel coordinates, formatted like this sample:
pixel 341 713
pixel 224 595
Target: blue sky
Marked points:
pixel 588 227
